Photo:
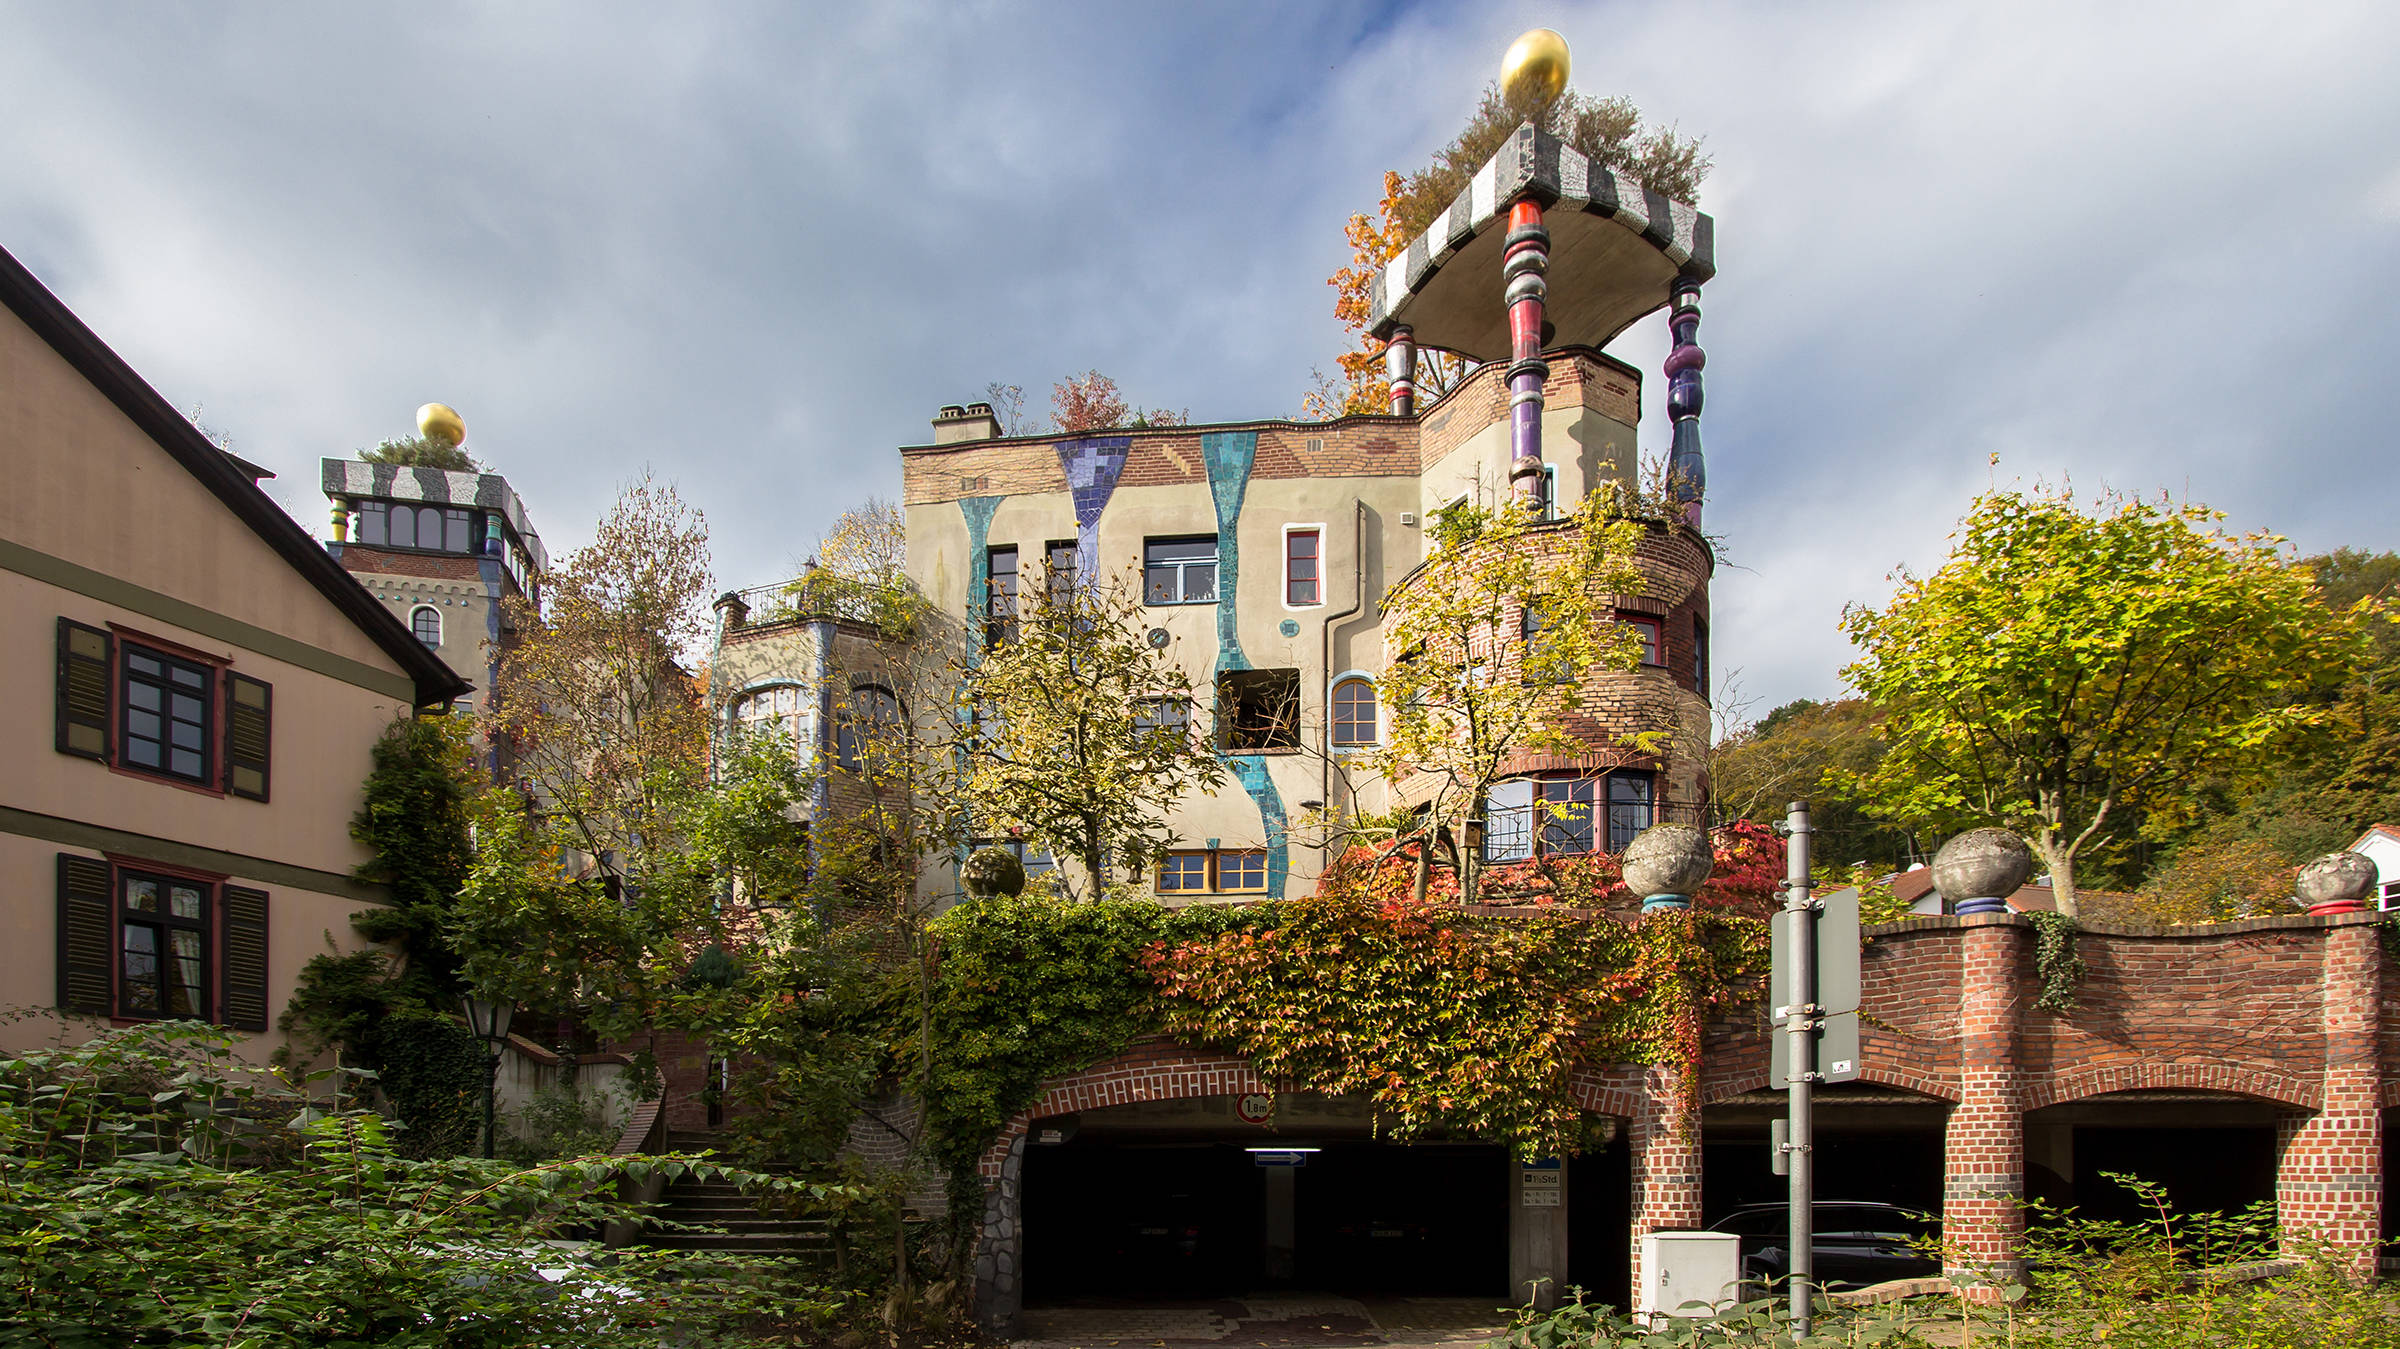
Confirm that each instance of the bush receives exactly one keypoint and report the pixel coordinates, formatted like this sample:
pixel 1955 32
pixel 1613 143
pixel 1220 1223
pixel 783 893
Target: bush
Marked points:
pixel 152 1192
pixel 558 1122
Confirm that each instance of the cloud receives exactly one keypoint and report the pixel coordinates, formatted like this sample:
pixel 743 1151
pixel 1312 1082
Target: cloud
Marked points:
pixel 756 248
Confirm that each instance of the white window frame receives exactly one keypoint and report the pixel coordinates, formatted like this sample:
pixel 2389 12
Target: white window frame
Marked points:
pixel 436 643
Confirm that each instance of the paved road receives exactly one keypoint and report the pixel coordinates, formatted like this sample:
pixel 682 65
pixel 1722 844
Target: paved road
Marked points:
pixel 1267 1321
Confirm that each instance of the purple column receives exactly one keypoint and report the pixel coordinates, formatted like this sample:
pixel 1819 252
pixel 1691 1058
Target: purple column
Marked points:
pixel 1687 470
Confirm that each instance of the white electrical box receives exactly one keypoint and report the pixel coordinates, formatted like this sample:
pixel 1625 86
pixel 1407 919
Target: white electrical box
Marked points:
pixel 1680 1268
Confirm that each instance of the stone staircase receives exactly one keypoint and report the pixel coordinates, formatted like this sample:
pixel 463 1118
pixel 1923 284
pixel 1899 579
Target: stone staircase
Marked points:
pixel 722 1218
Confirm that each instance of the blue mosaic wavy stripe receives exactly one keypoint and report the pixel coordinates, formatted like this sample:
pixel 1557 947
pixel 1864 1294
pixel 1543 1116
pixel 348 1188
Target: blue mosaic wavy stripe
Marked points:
pixel 1091 464
pixel 1229 456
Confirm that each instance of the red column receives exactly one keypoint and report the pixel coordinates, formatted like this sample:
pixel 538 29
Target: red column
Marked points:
pixel 1665 1141
pixel 1983 1180
pixel 2329 1165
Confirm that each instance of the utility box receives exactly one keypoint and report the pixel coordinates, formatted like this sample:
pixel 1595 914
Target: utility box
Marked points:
pixel 1686 1267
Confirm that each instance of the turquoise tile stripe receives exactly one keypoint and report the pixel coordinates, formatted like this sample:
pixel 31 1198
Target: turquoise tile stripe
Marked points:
pixel 1229 456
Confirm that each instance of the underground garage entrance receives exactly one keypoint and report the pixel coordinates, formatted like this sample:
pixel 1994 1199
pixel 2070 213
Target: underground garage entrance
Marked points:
pixel 1220 1196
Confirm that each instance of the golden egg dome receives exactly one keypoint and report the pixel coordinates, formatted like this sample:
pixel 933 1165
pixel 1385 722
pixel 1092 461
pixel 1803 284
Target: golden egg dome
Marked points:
pixel 440 421
pixel 1535 69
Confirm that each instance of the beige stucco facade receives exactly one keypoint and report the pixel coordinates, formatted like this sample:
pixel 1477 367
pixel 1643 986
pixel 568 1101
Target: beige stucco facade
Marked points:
pixel 125 525
pixel 1366 487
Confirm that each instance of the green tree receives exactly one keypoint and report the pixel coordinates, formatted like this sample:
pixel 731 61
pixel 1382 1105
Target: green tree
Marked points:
pixel 422 452
pixel 1810 750
pixel 1078 732
pixel 2075 666
pixel 1494 633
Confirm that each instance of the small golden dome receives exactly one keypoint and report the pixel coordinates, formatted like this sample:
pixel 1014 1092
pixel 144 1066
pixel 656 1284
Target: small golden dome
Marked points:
pixel 1535 69
pixel 440 421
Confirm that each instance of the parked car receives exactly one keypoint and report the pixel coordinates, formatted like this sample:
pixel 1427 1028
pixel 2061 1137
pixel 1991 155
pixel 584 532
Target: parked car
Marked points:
pixel 1855 1243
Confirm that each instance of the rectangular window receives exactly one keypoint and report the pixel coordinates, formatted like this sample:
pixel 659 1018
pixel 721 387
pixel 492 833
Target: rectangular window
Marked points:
pixel 1239 872
pixel 1300 570
pixel 1648 628
pixel 1508 821
pixel 1700 656
pixel 1058 572
pixel 374 523
pixel 1258 710
pixel 1540 663
pixel 1226 871
pixel 1567 816
pixel 1628 808
pixel 162 947
pixel 1000 601
pixel 1166 717
pixel 166 726
pixel 1545 506
pixel 1183 873
pixel 458 531
pixel 1033 859
pixel 1180 571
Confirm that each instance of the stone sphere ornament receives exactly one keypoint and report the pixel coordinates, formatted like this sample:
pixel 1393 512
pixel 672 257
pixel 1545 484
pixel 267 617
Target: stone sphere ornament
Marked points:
pixel 1978 870
pixel 2338 882
pixel 1535 70
pixel 1666 864
pixel 440 421
pixel 991 872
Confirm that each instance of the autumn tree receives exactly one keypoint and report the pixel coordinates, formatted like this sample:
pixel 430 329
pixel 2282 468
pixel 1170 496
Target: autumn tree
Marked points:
pixel 860 572
pixel 2076 666
pixel 422 452
pixel 588 889
pixel 1490 640
pixel 1078 735
pixel 1608 131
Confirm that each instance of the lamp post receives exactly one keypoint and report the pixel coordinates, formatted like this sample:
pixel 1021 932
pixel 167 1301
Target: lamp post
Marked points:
pixel 489 1018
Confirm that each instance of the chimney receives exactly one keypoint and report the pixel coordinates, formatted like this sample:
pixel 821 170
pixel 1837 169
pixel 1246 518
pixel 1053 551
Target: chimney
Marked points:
pixel 954 424
pixel 732 611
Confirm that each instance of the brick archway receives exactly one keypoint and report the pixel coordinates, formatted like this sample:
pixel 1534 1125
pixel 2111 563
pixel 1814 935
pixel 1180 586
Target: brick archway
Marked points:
pixel 2100 1079
pixel 1154 1071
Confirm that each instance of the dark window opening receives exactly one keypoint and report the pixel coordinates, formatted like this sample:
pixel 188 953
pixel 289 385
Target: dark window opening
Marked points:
pixel 1000 602
pixel 1559 816
pixel 1180 571
pixel 167 704
pixel 1651 631
pixel 1058 572
pixel 431 529
pixel 1629 808
pixel 1258 710
pixel 872 714
pixel 1700 656
pixel 162 947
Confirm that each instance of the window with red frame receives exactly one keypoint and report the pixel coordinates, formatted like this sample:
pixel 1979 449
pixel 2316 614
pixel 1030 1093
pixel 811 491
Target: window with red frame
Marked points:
pixel 148 708
pixel 1652 633
pixel 1300 570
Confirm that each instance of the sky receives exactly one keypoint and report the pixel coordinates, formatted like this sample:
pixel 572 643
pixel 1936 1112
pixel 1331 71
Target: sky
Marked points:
pixel 753 248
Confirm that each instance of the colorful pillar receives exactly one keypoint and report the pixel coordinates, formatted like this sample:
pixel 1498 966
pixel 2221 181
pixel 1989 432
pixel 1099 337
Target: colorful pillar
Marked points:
pixel 341 519
pixel 1524 270
pixel 1400 370
pixel 1687 470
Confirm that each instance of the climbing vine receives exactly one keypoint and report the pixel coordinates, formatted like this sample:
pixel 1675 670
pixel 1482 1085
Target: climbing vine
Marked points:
pixel 1454 1022
pixel 2057 966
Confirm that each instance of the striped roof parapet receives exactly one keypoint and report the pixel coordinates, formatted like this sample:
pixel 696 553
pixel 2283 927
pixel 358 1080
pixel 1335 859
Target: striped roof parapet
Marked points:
pixel 1615 248
pixel 401 482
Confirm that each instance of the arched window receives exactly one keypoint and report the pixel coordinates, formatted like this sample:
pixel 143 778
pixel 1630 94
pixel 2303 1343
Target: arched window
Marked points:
pixel 784 708
pixel 404 527
pixel 426 621
pixel 1353 712
pixel 871 713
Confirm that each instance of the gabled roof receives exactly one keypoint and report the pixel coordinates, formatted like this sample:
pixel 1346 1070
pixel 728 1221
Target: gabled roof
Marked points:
pixel 106 371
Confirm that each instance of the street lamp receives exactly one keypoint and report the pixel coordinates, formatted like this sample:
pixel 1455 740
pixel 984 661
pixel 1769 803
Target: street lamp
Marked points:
pixel 489 1018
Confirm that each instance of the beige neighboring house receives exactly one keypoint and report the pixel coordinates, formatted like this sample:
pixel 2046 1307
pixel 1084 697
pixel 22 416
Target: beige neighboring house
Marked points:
pixel 198 688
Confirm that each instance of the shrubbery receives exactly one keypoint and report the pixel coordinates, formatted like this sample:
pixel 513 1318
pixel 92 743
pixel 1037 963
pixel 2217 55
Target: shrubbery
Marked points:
pixel 154 1191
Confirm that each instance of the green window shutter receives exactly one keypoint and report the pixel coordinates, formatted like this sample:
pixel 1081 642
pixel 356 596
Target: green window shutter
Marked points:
pixel 249 717
pixel 84 936
pixel 83 666
pixel 245 958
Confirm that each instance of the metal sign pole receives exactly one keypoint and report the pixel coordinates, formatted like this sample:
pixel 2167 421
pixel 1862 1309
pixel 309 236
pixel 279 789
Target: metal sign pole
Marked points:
pixel 1800 1021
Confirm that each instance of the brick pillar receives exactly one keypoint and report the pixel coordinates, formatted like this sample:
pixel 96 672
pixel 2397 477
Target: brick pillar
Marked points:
pixel 1665 1138
pixel 2329 1165
pixel 1983 1172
